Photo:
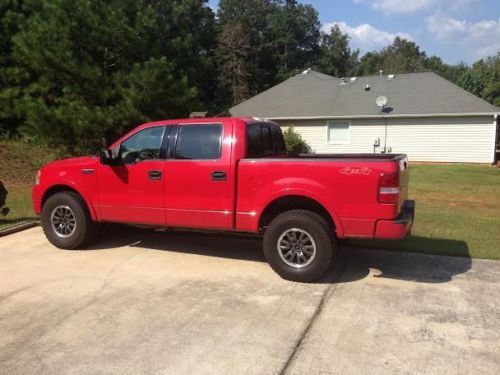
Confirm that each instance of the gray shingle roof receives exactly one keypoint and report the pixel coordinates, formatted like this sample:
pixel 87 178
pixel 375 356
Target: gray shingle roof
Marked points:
pixel 315 94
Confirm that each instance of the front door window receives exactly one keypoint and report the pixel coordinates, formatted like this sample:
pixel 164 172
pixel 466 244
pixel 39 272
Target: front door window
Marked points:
pixel 144 145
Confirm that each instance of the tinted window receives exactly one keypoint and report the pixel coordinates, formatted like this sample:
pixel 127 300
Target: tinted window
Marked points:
pixel 144 145
pixel 198 142
pixel 264 140
pixel 278 140
pixel 254 140
pixel 267 139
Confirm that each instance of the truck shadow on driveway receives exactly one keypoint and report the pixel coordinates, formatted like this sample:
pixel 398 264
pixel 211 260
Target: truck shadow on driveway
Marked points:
pixel 222 245
pixel 351 263
pixel 408 266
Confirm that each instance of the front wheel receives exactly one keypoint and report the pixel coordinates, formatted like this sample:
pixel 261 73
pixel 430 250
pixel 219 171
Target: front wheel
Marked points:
pixel 66 221
pixel 298 245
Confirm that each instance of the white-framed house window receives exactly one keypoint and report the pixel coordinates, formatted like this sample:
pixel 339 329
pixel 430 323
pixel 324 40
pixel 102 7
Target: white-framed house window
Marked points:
pixel 338 132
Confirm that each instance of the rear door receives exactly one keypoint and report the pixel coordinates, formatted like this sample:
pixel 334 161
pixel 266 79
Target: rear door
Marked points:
pixel 199 180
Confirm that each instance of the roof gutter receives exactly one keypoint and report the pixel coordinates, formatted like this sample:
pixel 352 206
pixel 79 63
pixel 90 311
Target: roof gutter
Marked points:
pixel 334 117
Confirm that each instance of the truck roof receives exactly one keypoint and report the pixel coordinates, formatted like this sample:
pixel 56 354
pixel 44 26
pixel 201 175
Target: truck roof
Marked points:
pixel 199 120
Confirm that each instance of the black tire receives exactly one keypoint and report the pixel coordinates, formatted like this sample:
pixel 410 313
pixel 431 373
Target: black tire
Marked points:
pixel 318 229
pixel 85 228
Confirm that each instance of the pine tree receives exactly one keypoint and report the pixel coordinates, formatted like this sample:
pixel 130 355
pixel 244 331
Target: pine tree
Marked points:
pixel 96 69
pixel 293 36
pixel 403 56
pixel 13 15
pixel 233 58
pixel 337 58
pixel 253 16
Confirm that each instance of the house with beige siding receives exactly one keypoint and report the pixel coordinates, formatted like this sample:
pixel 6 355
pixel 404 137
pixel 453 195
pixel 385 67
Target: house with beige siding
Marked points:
pixel 426 117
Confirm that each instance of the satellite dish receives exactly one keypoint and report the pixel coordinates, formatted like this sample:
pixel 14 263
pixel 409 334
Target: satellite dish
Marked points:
pixel 381 101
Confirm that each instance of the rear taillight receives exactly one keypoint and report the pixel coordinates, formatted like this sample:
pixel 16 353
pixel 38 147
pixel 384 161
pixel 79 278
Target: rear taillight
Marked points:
pixel 388 191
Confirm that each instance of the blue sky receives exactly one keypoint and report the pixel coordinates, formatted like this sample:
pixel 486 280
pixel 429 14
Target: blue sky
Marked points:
pixel 455 30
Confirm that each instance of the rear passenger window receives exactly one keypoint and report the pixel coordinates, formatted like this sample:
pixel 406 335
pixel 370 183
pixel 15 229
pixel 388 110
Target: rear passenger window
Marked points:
pixel 198 142
pixel 278 140
pixel 264 139
pixel 254 141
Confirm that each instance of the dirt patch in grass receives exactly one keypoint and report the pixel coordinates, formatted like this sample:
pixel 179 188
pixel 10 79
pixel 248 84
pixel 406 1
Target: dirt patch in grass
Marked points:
pixel 20 161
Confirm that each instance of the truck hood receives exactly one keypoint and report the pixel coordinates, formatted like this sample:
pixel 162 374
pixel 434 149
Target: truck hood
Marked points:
pixel 81 161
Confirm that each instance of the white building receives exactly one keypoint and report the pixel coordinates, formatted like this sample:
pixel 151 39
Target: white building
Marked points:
pixel 426 117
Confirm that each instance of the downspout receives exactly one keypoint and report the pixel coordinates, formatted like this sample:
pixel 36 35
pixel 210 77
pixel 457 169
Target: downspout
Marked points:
pixel 385 136
pixel 496 138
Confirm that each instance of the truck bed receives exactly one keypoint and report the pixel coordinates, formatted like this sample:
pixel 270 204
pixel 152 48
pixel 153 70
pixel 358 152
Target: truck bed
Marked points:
pixel 347 157
pixel 345 184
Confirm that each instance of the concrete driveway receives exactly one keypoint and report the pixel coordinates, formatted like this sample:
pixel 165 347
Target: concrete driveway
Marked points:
pixel 180 303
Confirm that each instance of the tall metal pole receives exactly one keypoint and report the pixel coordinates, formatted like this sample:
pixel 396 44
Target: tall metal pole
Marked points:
pixel 385 128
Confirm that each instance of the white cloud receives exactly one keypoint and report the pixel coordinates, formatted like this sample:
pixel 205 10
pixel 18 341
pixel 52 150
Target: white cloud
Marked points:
pixel 476 39
pixel 411 6
pixel 445 28
pixel 397 6
pixel 365 36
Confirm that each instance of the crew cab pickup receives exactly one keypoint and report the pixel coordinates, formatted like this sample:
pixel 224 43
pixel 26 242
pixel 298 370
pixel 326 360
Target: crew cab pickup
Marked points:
pixel 230 175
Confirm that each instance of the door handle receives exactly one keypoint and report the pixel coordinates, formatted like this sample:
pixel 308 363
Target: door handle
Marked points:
pixel 154 175
pixel 218 176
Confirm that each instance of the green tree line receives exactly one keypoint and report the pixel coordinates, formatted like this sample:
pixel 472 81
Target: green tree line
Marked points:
pixel 77 74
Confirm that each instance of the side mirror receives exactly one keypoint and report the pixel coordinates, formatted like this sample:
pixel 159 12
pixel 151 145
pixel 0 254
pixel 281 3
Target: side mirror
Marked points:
pixel 106 157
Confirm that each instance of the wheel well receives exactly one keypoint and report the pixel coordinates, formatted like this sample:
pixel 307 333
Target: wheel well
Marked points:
pixel 57 189
pixel 289 202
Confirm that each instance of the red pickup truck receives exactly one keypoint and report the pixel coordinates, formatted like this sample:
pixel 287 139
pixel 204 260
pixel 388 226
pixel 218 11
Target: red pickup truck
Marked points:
pixel 228 174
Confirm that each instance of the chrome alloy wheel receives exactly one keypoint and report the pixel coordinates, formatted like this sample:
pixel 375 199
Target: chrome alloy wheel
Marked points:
pixel 296 248
pixel 63 221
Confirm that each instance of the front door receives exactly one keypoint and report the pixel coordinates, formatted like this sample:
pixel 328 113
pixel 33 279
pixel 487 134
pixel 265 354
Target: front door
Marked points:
pixel 199 181
pixel 133 190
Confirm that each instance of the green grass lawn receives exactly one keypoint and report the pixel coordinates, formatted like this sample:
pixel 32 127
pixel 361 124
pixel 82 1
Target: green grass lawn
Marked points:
pixel 457 212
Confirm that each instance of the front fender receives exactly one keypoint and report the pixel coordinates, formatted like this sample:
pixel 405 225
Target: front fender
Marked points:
pixel 41 192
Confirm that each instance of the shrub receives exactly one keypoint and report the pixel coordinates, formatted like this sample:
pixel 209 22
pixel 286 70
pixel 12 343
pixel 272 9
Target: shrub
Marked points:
pixel 295 144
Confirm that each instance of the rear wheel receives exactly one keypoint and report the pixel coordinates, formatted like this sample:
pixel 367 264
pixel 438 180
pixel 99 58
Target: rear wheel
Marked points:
pixel 298 245
pixel 66 221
